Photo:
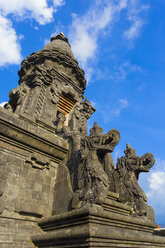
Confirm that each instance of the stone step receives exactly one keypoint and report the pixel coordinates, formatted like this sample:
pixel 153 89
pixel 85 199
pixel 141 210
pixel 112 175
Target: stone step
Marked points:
pixel 111 204
pixel 112 196
pixel 116 207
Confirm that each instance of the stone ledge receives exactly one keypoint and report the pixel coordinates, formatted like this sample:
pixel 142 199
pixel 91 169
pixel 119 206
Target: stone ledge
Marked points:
pixel 116 207
pixel 93 227
pixel 13 129
pixel 160 231
pixel 93 214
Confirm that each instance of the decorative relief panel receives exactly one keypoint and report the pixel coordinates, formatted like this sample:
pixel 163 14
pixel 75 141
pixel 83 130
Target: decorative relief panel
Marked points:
pixel 38 161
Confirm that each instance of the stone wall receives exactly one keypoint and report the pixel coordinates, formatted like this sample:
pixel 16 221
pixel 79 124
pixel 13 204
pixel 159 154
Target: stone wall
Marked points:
pixel 15 233
pixel 28 190
pixel 29 161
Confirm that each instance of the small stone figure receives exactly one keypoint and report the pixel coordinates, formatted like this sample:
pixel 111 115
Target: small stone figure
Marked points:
pixel 128 169
pixel 17 96
pixel 60 121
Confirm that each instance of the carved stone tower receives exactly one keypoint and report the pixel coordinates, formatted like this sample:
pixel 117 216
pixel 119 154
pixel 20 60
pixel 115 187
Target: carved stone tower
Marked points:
pixel 40 127
pixel 51 88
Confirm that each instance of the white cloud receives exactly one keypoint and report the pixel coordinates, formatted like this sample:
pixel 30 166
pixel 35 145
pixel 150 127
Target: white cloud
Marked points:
pixel 123 70
pixel 154 186
pixel 135 11
pixel 117 72
pixel 58 3
pixel 37 10
pixel 85 30
pixel 157 182
pixel 10 50
pixel 110 113
pixel 141 87
pixel 2 104
pixel 122 104
pixel 134 30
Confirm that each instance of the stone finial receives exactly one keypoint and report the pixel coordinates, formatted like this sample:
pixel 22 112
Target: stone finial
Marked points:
pixel 60 36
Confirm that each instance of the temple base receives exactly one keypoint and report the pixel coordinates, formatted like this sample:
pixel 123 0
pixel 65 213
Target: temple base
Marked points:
pixel 93 226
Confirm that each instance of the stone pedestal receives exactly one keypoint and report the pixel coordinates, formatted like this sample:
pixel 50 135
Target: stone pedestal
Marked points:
pixel 93 226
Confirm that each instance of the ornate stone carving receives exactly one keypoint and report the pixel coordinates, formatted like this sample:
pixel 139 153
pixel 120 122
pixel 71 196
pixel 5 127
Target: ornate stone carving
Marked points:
pixel 128 169
pixel 92 180
pixel 82 112
pixel 60 122
pixel 52 82
pixel 17 98
pixel 57 51
pixel 39 76
pixel 55 90
pixel 38 161
pixel 87 109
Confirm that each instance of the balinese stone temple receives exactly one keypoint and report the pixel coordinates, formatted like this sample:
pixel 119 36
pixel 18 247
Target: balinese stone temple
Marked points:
pixel 59 186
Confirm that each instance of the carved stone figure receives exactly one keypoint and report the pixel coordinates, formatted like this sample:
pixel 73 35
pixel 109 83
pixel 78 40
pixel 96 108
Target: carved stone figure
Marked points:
pixel 92 180
pixel 55 92
pixel 127 173
pixel 60 121
pixel 17 98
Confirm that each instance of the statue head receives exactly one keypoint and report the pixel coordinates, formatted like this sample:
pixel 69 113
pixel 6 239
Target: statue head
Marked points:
pixel 129 151
pixel 96 130
pixel 104 143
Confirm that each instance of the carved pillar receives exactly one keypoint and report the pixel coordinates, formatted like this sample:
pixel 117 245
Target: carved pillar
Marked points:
pixel 33 101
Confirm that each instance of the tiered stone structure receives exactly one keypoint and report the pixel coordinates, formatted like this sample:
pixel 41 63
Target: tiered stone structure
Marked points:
pixel 59 187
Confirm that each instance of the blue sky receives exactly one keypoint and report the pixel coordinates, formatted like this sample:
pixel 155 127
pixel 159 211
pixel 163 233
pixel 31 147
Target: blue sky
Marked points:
pixel 121 46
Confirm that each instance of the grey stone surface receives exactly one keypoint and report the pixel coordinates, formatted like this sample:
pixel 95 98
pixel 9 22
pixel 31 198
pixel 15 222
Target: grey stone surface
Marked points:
pixel 93 227
pixel 13 232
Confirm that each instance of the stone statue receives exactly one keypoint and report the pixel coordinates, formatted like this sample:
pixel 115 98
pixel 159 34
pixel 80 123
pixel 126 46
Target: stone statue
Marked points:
pixel 92 180
pixel 60 121
pixel 126 179
pixel 17 97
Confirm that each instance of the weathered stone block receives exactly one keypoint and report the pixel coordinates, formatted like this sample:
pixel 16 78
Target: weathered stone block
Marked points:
pixel 95 227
